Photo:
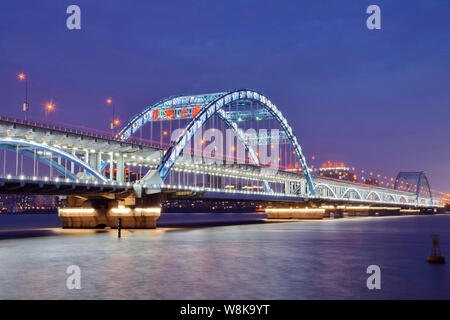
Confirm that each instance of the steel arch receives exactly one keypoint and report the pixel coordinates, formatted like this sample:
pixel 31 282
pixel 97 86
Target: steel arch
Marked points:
pixel 419 176
pixel 390 196
pixel 212 108
pixel 144 116
pixel 323 185
pixel 375 193
pixel 247 146
pixel 7 143
pixel 140 119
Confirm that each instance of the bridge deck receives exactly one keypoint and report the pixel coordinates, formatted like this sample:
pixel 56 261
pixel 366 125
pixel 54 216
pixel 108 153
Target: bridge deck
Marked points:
pixel 43 187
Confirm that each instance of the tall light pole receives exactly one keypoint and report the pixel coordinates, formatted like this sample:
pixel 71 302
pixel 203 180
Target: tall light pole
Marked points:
pixel 114 122
pixel 23 77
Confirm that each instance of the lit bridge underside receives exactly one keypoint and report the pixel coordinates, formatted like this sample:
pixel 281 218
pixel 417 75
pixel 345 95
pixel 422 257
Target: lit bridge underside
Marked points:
pixel 137 173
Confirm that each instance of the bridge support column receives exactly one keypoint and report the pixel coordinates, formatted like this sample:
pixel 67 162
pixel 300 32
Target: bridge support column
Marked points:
pixel 93 160
pixel 86 157
pixel 303 186
pixel 111 166
pixel 98 165
pixel 289 187
pixel 72 165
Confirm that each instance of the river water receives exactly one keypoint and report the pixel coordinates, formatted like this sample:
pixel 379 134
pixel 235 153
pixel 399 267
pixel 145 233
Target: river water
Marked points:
pixel 293 260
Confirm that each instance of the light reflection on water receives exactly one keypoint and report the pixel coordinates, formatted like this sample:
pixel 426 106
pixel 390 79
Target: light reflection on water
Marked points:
pixel 304 260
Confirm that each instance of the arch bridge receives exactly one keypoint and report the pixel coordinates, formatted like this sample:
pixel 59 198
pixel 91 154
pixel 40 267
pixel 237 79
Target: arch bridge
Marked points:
pixel 231 144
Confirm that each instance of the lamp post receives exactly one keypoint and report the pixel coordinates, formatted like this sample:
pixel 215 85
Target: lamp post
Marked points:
pixel 48 108
pixel 114 122
pixel 25 107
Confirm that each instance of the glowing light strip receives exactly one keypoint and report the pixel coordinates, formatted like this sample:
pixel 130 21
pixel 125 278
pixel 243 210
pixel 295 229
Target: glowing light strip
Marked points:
pixel 121 210
pixel 291 210
pixel 368 208
pixel 77 212
pixel 149 211
pixel 152 210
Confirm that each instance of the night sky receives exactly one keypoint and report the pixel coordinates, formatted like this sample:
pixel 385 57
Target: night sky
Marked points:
pixel 376 100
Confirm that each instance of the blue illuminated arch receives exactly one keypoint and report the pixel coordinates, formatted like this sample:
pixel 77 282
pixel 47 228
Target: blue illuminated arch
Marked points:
pixel 12 144
pixel 212 108
pixel 211 104
pixel 391 196
pixel 200 100
pixel 177 100
pixel 326 187
pixel 375 193
pixel 248 147
pixel 348 190
pixel 419 177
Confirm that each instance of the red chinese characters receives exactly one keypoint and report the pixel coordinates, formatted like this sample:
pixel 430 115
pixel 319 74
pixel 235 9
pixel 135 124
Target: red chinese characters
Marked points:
pixel 195 111
pixel 169 114
pixel 155 115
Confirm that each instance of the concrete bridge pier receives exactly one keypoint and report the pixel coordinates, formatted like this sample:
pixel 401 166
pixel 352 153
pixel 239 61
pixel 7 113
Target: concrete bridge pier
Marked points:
pixel 101 212
pixel 82 213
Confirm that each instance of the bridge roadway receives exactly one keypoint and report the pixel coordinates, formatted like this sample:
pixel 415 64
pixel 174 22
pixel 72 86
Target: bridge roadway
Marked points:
pixel 100 199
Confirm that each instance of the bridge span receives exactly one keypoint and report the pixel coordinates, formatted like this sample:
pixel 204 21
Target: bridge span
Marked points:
pixel 170 152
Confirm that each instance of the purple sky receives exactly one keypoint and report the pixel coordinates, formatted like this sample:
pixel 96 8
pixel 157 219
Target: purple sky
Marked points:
pixel 376 100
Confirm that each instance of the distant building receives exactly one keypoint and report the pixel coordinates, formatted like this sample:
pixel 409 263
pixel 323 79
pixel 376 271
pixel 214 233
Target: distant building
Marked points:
pixel 337 171
pixel 30 203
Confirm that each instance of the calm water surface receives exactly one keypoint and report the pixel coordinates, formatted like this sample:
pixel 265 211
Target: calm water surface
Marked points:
pixel 301 260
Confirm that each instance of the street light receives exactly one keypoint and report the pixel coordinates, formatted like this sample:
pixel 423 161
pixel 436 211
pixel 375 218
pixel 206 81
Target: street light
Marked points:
pixel 114 122
pixel 23 77
pixel 49 107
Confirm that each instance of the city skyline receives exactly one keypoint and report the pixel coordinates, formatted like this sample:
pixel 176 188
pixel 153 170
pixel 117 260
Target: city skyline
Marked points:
pixel 372 99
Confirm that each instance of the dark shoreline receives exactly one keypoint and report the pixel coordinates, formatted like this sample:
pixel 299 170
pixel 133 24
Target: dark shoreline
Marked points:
pixel 21 225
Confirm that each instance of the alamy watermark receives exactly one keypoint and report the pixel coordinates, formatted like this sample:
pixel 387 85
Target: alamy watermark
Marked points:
pixel 374 280
pixel 73 281
pixel 213 146
pixel 73 22
pixel 374 20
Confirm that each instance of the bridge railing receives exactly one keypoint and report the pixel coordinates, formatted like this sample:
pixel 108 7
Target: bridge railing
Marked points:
pixel 56 180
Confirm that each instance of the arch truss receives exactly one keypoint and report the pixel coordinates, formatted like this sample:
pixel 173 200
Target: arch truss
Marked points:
pixel 40 153
pixel 417 182
pixel 200 108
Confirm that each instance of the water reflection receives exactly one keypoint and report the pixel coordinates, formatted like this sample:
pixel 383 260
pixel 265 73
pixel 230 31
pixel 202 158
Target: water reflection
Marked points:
pixel 311 260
